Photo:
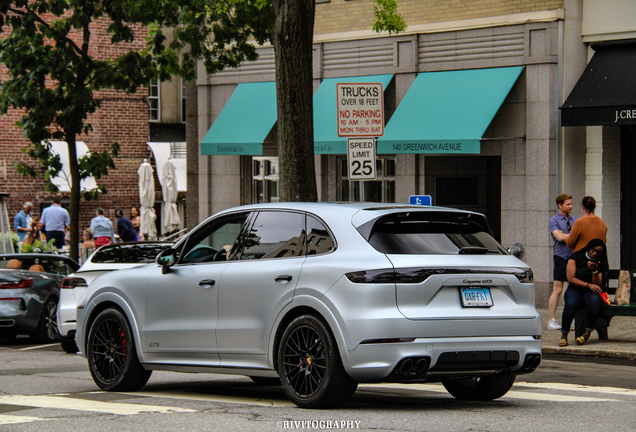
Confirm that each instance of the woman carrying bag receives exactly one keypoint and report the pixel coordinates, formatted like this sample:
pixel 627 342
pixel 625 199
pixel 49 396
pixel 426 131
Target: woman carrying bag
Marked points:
pixel 587 277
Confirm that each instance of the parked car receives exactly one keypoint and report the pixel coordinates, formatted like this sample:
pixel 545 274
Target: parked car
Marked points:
pixel 322 296
pixel 29 290
pixel 111 257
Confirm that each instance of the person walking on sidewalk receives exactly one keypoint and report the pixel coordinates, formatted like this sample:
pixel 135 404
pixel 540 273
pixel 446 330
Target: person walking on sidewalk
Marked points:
pixel 560 226
pixel 588 227
pixel 23 219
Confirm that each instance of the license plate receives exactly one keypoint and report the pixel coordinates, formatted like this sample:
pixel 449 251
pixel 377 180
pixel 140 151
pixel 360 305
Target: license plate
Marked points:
pixel 475 297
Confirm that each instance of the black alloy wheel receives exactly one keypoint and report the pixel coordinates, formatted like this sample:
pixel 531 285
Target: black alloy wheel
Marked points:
pixel 310 367
pixel 47 328
pixel 112 357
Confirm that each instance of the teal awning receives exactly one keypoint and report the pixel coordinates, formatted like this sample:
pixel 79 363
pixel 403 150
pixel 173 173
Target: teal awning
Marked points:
pixel 447 112
pixel 326 139
pixel 244 122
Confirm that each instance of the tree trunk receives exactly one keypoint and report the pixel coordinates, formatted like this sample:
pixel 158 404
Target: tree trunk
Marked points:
pixel 293 45
pixel 74 203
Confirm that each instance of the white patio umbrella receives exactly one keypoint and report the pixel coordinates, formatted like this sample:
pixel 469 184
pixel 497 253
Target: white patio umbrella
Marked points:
pixel 147 198
pixel 171 218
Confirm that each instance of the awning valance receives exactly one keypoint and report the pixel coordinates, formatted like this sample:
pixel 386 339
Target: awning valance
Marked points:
pixel 447 112
pixel 244 122
pixel 326 139
pixel 605 94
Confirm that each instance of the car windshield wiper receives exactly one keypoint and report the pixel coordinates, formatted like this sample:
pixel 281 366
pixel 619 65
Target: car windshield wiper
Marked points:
pixel 474 250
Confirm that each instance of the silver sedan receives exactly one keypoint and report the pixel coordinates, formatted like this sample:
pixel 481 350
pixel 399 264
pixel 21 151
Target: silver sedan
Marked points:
pixel 318 298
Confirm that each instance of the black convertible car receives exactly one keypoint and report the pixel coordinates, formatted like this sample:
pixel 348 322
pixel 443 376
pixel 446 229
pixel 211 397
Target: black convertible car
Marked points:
pixel 29 291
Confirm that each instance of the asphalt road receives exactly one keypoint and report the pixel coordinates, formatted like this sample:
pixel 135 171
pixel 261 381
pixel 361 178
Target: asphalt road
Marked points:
pixel 42 388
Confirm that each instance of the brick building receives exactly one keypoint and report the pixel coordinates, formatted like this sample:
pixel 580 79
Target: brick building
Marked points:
pixel 121 118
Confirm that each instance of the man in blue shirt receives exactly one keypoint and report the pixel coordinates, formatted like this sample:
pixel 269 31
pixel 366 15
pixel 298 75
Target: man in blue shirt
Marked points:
pixel 55 219
pixel 560 225
pixel 23 219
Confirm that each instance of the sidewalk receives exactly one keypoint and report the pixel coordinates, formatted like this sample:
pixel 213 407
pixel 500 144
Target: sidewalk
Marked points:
pixel 621 343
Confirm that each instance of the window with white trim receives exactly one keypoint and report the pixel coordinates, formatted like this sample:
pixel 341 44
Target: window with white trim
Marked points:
pixel 265 179
pixel 183 100
pixel 382 189
pixel 154 101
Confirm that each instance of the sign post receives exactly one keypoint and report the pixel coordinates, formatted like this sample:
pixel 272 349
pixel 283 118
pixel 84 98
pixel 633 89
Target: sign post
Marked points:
pixel 361 121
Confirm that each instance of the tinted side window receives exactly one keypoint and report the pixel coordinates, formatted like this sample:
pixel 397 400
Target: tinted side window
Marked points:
pixel 212 242
pixel 318 239
pixel 275 235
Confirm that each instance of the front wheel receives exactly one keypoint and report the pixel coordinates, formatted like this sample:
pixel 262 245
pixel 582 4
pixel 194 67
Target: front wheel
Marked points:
pixel 480 389
pixel 111 353
pixel 310 367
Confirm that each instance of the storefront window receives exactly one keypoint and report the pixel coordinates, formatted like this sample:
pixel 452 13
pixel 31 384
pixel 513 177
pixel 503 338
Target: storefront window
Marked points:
pixel 380 190
pixel 265 180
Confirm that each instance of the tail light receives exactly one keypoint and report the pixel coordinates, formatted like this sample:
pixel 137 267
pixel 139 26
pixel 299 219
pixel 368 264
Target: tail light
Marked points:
pixel 24 283
pixel 73 282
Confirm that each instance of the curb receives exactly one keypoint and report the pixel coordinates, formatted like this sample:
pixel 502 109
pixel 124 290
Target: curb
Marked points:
pixel 590 352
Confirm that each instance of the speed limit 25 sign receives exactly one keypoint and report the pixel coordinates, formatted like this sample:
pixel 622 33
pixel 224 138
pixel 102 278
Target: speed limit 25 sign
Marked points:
pixel 361 158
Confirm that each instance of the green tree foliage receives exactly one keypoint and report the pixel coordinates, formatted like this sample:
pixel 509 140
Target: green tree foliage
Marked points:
pixel 387 17
pixel 53 79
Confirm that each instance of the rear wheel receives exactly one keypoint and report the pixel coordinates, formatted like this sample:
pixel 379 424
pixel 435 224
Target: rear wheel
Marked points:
pixel 68 345
pixel 47 328
pixel 111 353
pixel 480 389
pixel 310 367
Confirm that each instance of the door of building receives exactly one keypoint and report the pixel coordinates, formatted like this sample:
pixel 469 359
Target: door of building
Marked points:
pixel 628 197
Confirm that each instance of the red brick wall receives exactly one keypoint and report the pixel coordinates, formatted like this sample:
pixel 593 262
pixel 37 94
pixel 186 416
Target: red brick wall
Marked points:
pixel 122 118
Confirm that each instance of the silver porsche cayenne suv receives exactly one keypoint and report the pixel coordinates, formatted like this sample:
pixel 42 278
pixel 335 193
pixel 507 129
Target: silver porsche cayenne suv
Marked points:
pixel 321 297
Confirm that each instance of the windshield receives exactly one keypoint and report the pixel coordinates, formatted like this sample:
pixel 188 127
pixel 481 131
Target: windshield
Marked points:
pixel 129 253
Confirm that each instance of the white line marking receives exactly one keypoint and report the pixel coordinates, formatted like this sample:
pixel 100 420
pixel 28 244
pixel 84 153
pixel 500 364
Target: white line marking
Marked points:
pixel 10 419
pixel 578 387
pixel 60 402
pixel 214 398
pixel 511 394
pixel 38 347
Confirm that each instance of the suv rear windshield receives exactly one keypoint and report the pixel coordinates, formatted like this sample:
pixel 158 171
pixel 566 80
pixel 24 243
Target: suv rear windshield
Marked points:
pixel 433 233
pixel 129 253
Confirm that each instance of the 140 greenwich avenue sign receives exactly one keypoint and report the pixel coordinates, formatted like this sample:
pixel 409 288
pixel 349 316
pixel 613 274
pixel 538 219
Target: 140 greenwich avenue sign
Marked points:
pixel 360 120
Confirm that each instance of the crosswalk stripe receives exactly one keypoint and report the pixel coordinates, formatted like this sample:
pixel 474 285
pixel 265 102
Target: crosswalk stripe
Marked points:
pixel 6 419
pixel 215 398
pixel 61 402
pixel 438 388
pixel 578 387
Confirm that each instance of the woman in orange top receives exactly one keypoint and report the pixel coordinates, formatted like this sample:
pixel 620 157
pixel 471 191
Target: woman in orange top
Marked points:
pixel 588 227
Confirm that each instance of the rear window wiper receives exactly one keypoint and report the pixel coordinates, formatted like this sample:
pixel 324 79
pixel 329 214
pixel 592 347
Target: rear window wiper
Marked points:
pixel 474 250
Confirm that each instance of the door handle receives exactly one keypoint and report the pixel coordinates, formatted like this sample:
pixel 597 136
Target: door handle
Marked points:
pixel 207 283
pixel 283 279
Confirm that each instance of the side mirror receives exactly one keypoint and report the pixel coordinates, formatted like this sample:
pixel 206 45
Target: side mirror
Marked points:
pixel 166 259
pixel 517 250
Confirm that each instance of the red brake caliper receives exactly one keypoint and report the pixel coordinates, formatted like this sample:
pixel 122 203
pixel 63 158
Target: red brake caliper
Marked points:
pixel 123 342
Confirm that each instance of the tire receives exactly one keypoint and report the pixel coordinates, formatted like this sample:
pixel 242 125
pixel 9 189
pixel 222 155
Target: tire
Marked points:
pixel 111 353
pixel 265 381
pixel 310 366
pixel 480 389
pixel 69 346
pixel 47 328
